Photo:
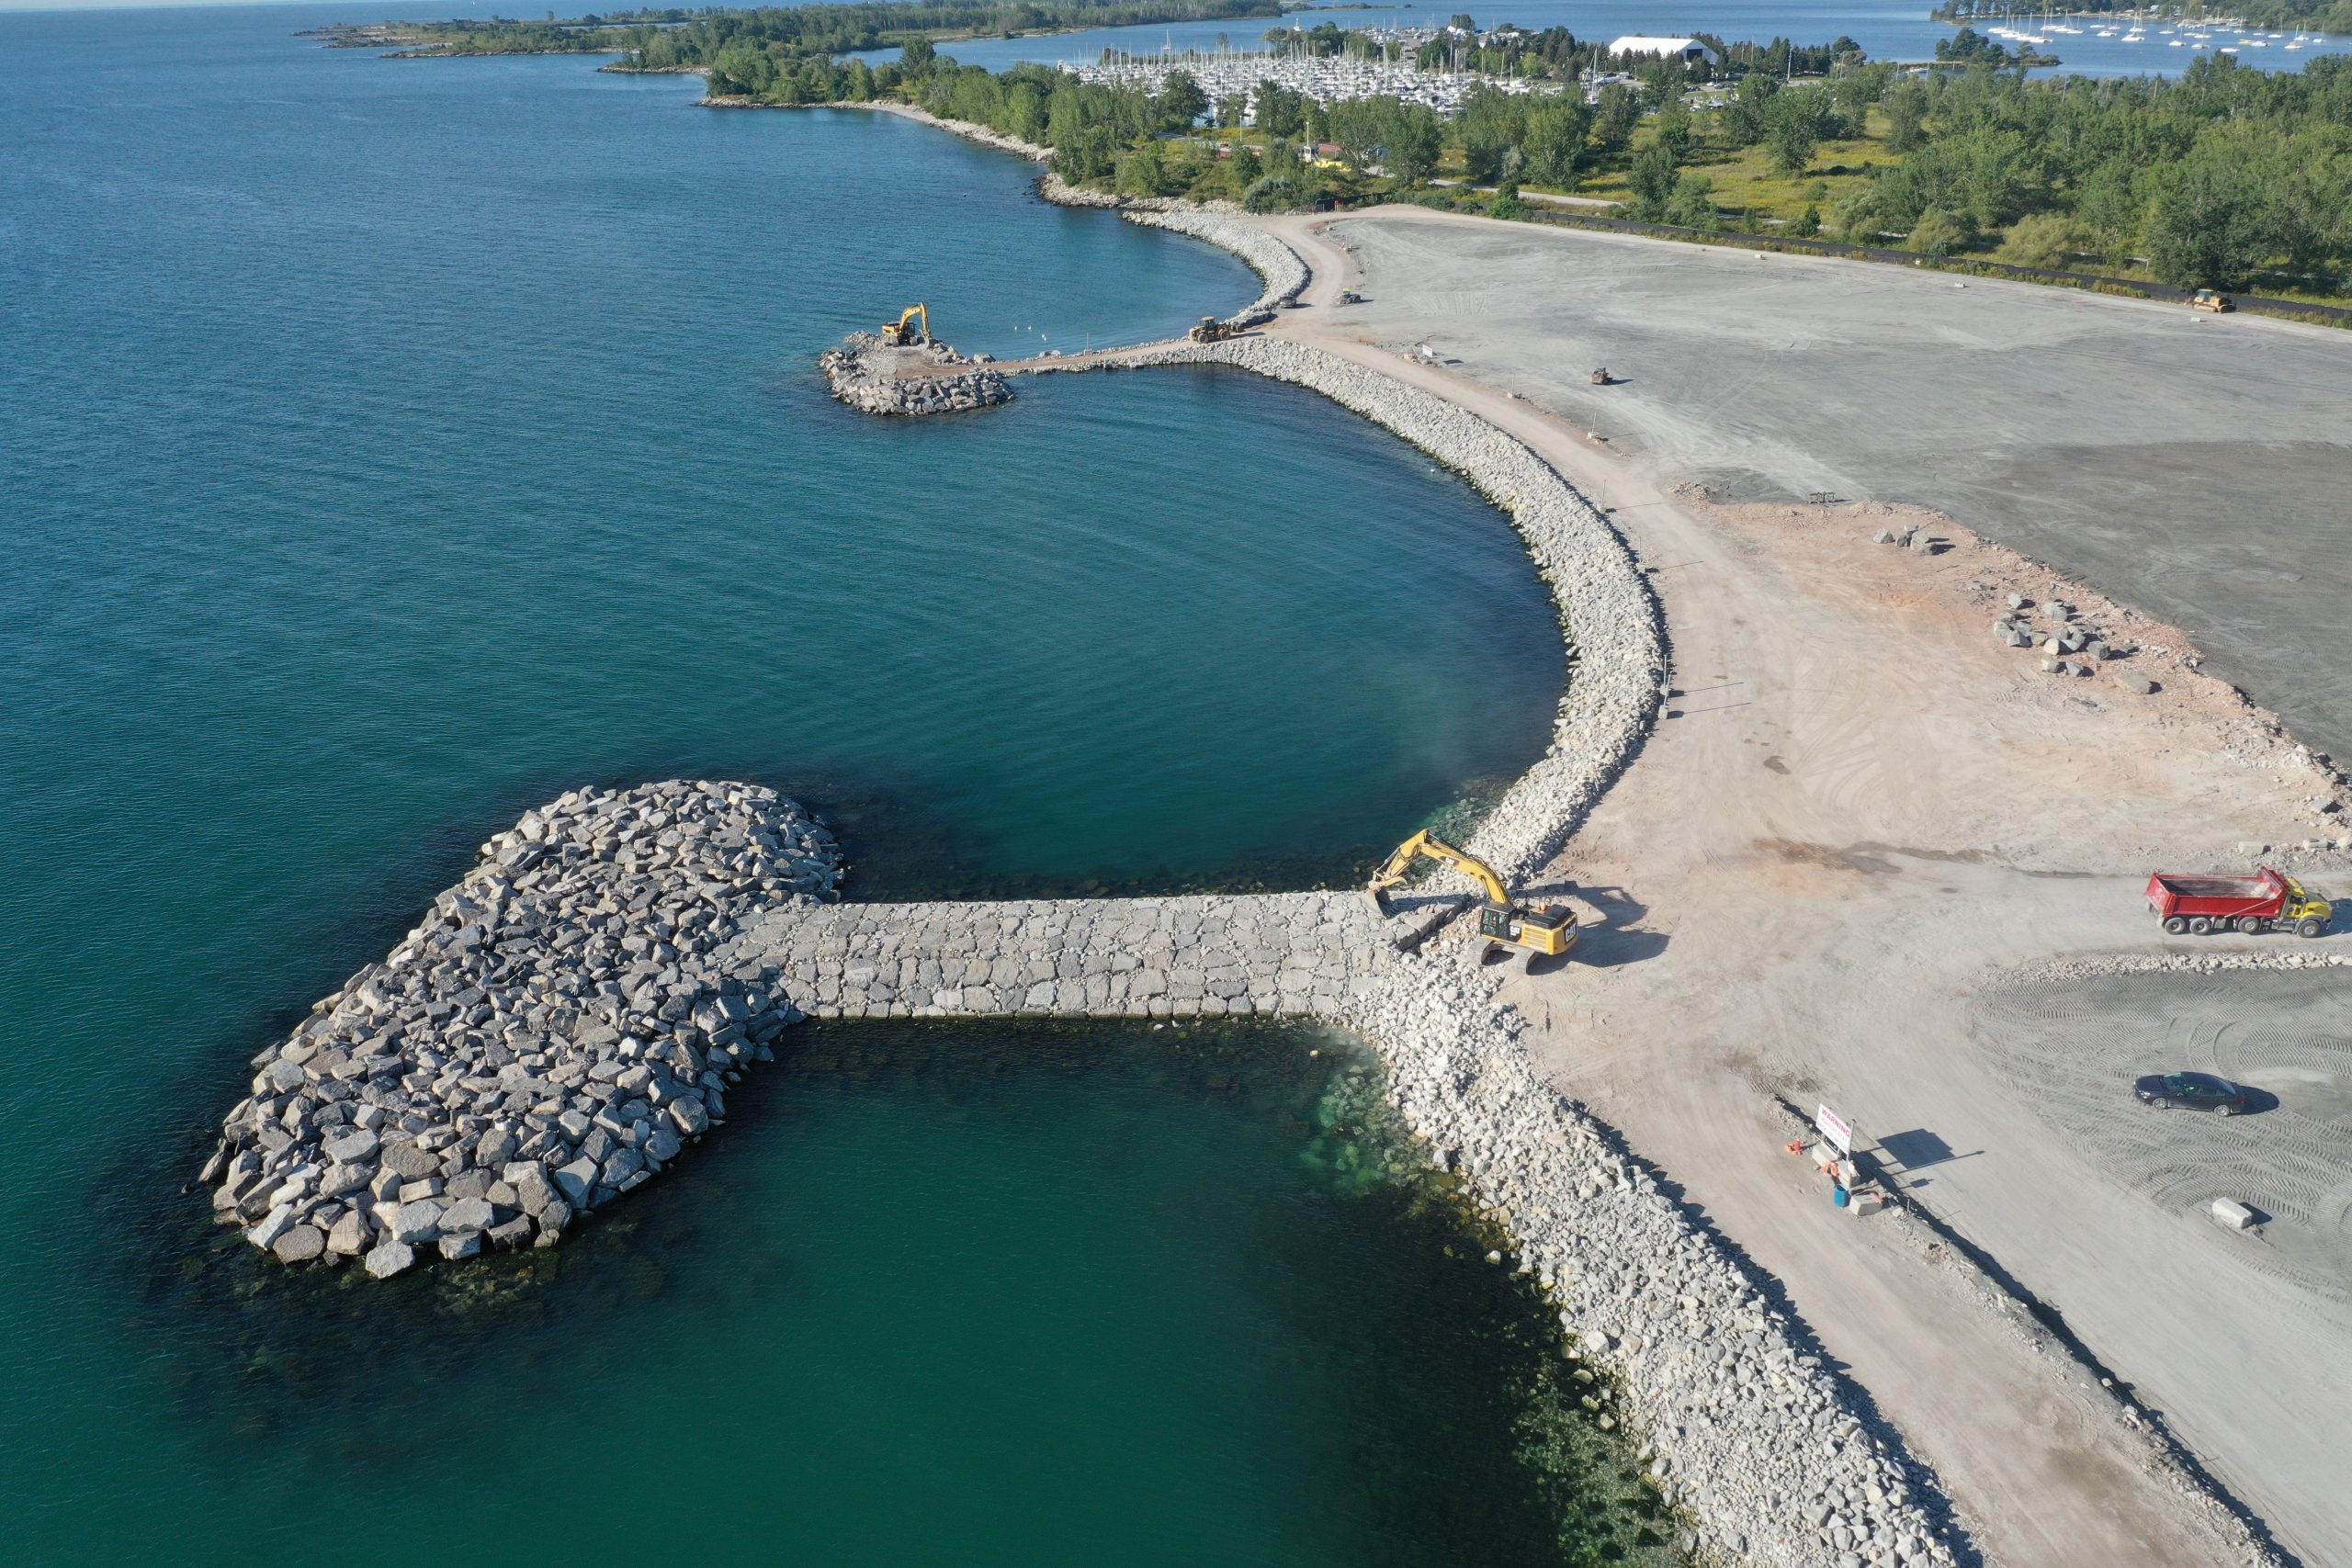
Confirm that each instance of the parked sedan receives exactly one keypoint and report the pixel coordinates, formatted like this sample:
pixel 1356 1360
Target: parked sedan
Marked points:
pixel 2190 1091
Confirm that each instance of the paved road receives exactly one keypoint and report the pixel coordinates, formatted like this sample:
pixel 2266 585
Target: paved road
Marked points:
pixel 2196 466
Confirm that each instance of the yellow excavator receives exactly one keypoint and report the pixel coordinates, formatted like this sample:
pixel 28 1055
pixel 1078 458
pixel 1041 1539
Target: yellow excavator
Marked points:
pixel 1548 931
pixel 905 333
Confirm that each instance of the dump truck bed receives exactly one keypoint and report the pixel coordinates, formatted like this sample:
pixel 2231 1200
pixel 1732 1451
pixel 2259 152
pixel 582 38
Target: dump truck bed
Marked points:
pixel 2216 894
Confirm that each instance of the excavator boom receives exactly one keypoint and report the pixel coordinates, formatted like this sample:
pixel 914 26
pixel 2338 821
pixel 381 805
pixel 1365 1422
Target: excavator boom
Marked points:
pixel 1427 843
pixel 1549 932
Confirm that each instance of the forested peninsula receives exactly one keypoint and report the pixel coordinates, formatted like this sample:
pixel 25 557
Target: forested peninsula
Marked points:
pixel 2227 176
pixel 675 40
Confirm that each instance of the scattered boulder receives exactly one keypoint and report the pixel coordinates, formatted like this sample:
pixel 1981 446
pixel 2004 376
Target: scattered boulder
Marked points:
pixel 389 1258
pixel 300 1244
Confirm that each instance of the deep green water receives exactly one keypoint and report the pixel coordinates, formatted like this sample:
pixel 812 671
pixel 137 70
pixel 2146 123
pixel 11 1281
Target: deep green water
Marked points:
pixel 385 447
pixel 1030 1294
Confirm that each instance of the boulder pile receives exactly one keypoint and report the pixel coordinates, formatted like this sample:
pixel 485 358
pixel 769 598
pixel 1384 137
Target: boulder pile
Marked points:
pixel 550 1036
pixel 869 375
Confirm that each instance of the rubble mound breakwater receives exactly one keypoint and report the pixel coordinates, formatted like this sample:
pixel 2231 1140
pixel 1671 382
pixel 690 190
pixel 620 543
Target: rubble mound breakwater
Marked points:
pixel 544 1041
pixel 877 377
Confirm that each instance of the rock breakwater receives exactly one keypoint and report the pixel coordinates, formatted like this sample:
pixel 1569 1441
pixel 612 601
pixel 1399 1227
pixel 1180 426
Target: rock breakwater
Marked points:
pixel 1277 265
pixel 1179 957
pixel 867 374
pixel 546 1039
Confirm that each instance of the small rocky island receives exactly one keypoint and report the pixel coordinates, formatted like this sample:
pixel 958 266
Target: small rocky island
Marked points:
pixel 872 374
pixel 552 1035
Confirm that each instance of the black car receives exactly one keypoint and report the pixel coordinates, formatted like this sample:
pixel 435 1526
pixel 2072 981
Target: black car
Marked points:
pixel 2190 1091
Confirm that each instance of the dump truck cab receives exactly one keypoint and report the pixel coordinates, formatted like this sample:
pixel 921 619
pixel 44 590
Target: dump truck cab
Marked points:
pixel 2300 905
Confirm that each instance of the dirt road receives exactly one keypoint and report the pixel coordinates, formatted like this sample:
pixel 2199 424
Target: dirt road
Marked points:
pixel 1858 812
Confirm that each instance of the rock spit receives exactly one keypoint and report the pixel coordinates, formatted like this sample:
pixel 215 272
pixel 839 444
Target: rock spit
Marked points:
pixel 546 1039
pixel 866 374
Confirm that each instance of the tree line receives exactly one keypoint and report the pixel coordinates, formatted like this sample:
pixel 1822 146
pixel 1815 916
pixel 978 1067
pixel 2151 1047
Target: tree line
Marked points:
pixel 693 39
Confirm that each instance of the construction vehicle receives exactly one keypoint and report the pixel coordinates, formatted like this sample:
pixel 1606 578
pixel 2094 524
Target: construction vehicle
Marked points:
pixel 1211 330
pixel 2205 901
pixel 2211 299
pixel 1548 931
pixel 911 329
pixel 1350 296
pixel 1601 377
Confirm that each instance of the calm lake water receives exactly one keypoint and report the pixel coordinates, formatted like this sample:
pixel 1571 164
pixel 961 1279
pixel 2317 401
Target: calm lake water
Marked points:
pixel 387 446
pixel 1889 29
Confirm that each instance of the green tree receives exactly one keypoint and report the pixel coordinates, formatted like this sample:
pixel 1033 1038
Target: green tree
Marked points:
pixel 1142 172
pixel 1744 117
pixel 1692 204
pixel 1556 142
pixel 1808 225
pixel 915 57
pixel 1906 115
pixel 2206 229
pixel 1674 129
pixel 1615 118
pixel 1182 102
pixel 1652 179
pixel 1415 140
pixel 1280 111
pixel 1792 127
pixel 1491 123
pixel 1273 193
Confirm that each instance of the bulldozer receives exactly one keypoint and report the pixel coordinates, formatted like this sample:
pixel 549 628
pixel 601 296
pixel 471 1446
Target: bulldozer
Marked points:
pixel 1546 932
pixel 911 329
pixel 1211 330
pixel 2211 299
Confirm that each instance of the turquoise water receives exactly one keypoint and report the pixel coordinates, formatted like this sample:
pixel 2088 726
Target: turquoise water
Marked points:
pixel 1021 1296
pixel 385 447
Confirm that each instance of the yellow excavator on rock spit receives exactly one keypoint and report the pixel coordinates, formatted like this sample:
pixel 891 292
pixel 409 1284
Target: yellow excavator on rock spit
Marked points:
pixel 904 333
pixel 1547 932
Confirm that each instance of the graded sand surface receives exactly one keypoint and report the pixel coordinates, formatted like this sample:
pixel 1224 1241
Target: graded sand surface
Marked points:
pixel 2196 466
pixel 1843 865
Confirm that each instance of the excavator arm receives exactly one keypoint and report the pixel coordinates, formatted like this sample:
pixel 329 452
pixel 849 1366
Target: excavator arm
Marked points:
pixel 895 333
pixel 1425 843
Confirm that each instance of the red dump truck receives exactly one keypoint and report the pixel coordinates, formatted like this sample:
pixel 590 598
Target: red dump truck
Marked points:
pixel 2197 902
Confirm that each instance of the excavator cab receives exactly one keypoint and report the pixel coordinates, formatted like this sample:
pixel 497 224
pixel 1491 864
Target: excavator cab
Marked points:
pixel 1548 931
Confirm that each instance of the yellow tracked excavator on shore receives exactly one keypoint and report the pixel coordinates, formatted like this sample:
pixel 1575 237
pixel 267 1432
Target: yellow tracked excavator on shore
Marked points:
pixel 905 333
pixel 1546 932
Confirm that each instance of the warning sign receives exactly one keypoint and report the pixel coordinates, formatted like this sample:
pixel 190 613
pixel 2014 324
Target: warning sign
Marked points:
pixel 1834 1128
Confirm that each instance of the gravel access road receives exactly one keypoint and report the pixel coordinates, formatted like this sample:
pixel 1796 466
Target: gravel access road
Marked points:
pixel 2196 466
